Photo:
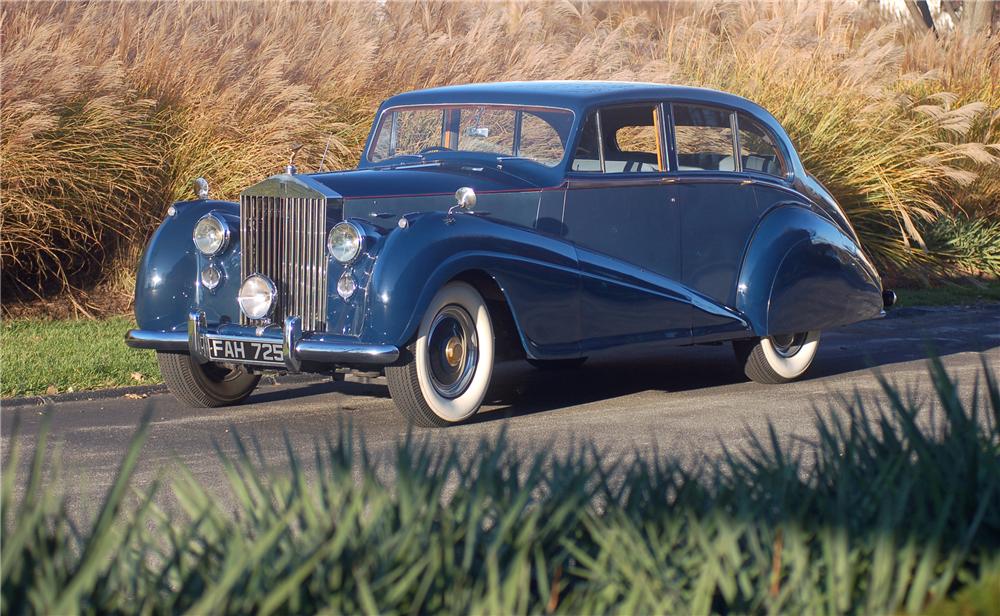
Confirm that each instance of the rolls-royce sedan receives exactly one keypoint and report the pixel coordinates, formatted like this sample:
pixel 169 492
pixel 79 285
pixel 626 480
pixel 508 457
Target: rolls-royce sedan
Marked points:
pixel 536 220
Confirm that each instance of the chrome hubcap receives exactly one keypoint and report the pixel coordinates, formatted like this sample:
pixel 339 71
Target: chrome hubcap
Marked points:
pixel 453 350
pixel 787 345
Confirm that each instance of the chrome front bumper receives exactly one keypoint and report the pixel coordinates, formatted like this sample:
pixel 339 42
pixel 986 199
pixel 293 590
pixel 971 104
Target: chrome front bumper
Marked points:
pixel 296 345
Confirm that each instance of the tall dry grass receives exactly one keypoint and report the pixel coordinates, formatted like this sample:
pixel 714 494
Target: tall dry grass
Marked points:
pixel 109 109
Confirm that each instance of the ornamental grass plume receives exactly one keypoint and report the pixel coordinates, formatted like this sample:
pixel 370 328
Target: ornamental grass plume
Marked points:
pixel 110 109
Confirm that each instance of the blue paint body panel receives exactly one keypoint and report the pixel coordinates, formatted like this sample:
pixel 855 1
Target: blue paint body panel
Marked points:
pixel 583 262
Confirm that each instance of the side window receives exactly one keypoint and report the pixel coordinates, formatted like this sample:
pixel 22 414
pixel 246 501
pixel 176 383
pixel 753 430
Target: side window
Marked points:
pixel 587 156
pixel 630 140
pixel 704 138
pixel 758 151
pixel 540 140
pixel 484 129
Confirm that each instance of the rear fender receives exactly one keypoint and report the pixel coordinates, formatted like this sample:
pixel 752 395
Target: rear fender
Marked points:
pixel 802 272
pixel 537 275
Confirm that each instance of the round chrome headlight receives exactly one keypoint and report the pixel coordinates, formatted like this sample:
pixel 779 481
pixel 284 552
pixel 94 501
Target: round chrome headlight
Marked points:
pixel 344 242
pixel 256 297
pixel 211 234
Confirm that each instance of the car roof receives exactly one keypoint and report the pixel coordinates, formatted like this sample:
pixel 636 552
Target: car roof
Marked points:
pixel 575 95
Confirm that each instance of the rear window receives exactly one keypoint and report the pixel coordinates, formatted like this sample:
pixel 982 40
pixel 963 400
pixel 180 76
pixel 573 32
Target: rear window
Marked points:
pixel 758 149
pixel 704 138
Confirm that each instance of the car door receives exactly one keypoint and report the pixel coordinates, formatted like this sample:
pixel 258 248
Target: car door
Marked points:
pixel 718 212
pixel 621 217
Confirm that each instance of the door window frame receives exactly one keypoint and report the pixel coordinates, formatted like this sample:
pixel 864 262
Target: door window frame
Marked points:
pixel 733 128
pixel 660 124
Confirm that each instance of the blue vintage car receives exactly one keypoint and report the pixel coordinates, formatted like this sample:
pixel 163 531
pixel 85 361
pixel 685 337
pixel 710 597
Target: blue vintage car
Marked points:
pixel 535 220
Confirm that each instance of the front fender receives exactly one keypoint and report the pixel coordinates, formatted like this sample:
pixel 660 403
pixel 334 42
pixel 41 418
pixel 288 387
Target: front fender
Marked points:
pixel 166 281
pixel 804 273
pixel 537 274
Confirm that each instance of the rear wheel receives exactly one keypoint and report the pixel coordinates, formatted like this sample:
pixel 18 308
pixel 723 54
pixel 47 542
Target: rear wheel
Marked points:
pixel 205 385
pixel 451 362
pixel 777 359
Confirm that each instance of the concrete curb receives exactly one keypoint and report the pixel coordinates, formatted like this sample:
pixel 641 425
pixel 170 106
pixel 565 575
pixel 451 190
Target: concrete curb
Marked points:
pixel 141 390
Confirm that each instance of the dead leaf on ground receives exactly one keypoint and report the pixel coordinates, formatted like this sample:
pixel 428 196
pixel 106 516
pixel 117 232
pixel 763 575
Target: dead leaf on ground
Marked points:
pixel 136 376
pixel 135 396
pixel 51 390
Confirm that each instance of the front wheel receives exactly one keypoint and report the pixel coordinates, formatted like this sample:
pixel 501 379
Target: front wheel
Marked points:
pixel 205 385
pixel 777 359
pixel 451 362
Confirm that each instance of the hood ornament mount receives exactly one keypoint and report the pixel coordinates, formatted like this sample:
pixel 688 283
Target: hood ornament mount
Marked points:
pixel 290 168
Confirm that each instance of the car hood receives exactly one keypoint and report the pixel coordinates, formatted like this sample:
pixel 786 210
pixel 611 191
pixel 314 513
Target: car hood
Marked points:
pixel 420 180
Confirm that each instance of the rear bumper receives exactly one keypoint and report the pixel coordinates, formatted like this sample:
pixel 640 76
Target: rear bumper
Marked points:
pixel 297 346
pixel 888 298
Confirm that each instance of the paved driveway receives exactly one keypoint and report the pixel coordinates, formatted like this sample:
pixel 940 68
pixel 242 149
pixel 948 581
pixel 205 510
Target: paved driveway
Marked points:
pixel 687 401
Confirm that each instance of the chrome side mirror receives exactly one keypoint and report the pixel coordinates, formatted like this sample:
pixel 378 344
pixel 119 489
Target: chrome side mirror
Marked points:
pixel 465 198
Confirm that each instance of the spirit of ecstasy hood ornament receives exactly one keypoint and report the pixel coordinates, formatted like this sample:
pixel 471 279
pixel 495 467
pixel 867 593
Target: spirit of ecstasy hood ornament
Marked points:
pixel 290 168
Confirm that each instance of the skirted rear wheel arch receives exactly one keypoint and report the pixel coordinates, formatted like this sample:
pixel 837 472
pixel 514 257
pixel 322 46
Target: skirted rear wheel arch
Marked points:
pixel 802 272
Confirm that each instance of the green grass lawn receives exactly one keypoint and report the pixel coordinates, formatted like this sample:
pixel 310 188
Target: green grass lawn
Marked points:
pixel 949 295
pixel 38 357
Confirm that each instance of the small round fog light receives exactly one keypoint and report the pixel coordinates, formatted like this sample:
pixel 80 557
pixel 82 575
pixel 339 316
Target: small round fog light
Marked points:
pixel 256 296
pixel 210 277
pixel 346 286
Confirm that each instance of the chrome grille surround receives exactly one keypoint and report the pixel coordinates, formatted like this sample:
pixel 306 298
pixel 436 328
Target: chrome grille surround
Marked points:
pixel 283 236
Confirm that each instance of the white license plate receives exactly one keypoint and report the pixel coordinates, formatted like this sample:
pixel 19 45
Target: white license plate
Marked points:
pixel 247 351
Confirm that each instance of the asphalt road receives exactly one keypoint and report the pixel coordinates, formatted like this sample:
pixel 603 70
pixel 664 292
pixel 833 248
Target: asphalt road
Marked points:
pixel 688 402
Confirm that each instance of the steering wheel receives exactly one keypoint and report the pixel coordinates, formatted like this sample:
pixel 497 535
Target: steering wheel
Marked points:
pixel 435 148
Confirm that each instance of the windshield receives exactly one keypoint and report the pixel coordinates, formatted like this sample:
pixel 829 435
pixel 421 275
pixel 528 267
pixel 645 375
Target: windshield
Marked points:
pixel 531 133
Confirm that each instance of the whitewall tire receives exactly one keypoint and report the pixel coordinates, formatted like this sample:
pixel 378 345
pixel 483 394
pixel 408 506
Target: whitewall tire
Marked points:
pixel 777 359
pixel 451 362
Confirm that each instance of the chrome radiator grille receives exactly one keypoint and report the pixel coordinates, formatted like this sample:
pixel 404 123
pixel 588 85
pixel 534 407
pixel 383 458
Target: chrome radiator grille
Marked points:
pixel 283 238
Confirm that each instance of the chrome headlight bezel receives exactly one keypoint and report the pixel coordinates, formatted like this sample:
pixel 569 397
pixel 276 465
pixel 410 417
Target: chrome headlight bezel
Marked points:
pixel 223 228
pixel 269 291
pixel 345 242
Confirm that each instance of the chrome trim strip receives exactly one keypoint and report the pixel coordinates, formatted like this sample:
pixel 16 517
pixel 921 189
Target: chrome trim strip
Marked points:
pixel 160 341
pixel 616 181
